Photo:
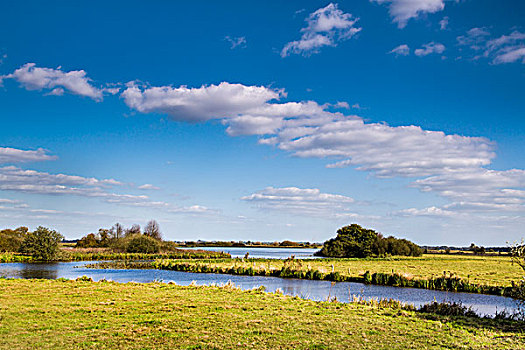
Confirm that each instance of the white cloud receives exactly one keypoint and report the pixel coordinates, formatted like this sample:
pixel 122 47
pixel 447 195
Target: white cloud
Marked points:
pixel 15 179
pixel 236 42
pixel 148 187
pixel 475 192
pixel 443 24
pixel 13 155
pixel 401 50
pixel 429 212
pixel 198 104
pixel 430 48
pixel 510 56
pixel 57 81
pixel 403 10
pixel 448 165
pixel 307 129
pixel 326 27
pixel 302 201
pixel 475 38
pixel 504 49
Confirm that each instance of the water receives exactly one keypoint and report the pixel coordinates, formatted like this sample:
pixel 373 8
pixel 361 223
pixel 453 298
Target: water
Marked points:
pixel 266 253
pixel 315 290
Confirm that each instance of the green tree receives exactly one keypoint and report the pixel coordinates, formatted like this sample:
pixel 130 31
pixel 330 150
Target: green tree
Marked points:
pixel 42 244
pixel 352 241
pixel 355 241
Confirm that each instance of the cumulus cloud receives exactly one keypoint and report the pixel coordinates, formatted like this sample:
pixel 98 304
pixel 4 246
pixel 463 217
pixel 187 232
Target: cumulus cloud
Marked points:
pixel 437 162
pixel 197 104
pixel 403 10
pixel 56 81
pixel 325 27
pixel 236 42
pixel 504 49
pixel 302 201
pixel 430 48
pixel 308 129
pixel 13 155
pixel 401 50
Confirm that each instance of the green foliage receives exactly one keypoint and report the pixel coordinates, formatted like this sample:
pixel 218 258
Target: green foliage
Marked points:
pixel 42 244
pixel 11 240
pixel 142 244
pixel 354 241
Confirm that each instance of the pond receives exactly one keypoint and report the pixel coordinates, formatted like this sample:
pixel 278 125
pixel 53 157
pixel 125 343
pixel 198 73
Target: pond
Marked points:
pixel 264 253
pixel 309 289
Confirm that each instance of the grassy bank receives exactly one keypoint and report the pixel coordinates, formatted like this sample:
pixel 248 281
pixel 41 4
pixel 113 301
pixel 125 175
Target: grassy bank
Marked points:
pixel 86 255
pixel 482 270
pixel 49 314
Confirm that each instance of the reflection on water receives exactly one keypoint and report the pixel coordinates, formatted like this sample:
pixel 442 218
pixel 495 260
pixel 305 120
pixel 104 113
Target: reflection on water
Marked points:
pixel 48 271
pixel 315 290
pixel 29 271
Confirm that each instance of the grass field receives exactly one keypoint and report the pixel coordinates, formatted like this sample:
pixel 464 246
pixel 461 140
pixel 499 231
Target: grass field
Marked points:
pixel 488 270
pixel 54 314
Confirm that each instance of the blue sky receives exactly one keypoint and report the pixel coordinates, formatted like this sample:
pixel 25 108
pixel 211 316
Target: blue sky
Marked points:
pixel 265 121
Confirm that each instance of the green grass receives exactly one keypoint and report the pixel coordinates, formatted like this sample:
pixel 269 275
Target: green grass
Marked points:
pixel 483 270
pixel 55 314
pixel 82 255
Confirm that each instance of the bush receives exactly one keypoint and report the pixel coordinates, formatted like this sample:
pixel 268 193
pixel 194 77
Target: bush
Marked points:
pixel 142 244
pixel 448 309
pixel 42 244
pixel 11 240
pixel 355 241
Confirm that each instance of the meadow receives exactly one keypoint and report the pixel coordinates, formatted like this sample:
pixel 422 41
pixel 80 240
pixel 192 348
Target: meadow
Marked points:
pixel 482 270
pixel 57 314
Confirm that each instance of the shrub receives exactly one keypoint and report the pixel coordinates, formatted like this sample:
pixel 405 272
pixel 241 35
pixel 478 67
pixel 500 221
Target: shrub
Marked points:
pixel 42 244
pixel 142 244
pixel 11 240
pixel 448 309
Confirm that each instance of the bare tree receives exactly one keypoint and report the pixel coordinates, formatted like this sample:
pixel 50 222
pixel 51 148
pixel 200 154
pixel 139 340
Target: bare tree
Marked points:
pixel 118 230
pixel 133 230
pixel 152 230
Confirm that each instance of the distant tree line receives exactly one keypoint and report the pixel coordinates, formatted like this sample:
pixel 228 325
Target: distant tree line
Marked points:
pixel 354 241
pixel 285 243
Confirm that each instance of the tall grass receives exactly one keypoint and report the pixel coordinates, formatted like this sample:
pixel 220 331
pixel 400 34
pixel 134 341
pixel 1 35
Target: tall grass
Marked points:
pixel 294 269
pixel 66 255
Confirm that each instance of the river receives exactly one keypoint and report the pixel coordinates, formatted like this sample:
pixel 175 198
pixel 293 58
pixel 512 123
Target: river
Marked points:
pixel 309 289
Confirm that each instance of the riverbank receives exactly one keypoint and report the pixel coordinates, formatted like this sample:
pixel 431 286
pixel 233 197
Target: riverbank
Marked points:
pixel 483 270
pixel 388 272
pixel 87 255
pixel 51 314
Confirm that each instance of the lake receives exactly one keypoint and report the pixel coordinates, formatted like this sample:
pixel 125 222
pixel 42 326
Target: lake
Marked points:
pixel 266 253
pixel 309 289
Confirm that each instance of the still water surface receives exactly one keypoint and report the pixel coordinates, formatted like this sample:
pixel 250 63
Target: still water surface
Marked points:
pixel 315 290
pixel 266 253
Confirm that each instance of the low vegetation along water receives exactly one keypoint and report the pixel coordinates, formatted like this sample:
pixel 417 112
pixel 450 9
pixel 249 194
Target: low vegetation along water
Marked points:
pixel 309 289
